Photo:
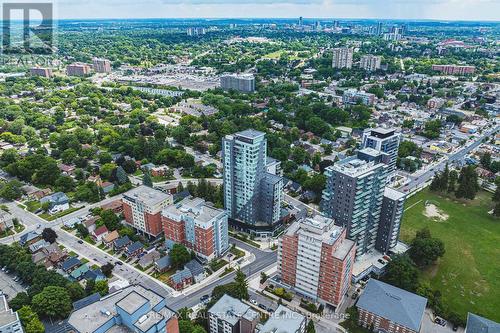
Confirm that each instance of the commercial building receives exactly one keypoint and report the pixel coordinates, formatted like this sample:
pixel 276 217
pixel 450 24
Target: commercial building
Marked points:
pixel 342 57
pixel 197 225
pixel 353 96
pixel 142 208
pixel 78 69
pixel 316 259
pixel 390 220
pixel 478 324
pixel 384 140
pixel 101 65
pixel 133 308
pixel 454 69
pixel 230 315
pixel 9 320
pixel 284 320
pixel 370 62
pixel 238 82
pixel 40 71
pixel 353 196
pixel 252 195
pixel 390 309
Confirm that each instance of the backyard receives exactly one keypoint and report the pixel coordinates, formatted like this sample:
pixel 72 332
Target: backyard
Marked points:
pixel 468 275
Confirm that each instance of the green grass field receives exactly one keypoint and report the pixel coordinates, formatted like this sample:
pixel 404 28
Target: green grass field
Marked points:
pixel 468 275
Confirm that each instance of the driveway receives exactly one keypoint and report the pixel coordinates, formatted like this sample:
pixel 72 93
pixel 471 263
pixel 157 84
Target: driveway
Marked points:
pixel 428 326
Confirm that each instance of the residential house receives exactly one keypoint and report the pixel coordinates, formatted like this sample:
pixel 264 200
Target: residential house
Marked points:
pixel 181 279
pixel 67 170
pixel 71 222
pixel 232 315
pixel 390 309
pixel 107 187
pixel 149 259
pixel 6 221
pixel 37 246
pixel 79 272
pixel 121 243
pixel 159 171
pixel 39 194
pixel 94 275
pixel 58 202
pixel 70 264
pixel 110 238
pixel 55 256
pixel 196 269
pixel 163 264
pixel 38 258
pixel 99 233
pixel 29 238
pixel 134 249
pixel 90 223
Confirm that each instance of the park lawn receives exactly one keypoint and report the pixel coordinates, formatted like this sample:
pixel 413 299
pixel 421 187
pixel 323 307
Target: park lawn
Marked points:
pixel 468 275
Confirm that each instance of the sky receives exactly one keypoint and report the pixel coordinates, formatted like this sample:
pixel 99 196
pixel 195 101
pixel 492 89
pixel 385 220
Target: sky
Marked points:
pixel 378 9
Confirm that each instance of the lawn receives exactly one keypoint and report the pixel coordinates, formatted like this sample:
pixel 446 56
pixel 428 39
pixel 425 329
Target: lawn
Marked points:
pixel 468 275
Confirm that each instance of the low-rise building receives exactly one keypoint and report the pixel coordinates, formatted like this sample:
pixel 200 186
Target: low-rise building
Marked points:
pixel 134 309
pixel 198 225
pixel 390 309
pixel 134 249
pixel 478 324
pixel 285 320
pixel 41 72
pixel 9 320
pixel 230 315
pixel 353 96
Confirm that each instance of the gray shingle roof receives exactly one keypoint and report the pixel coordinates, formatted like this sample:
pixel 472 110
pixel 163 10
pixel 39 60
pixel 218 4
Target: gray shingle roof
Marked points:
pixel 180 276
pixel 478 324
pixel 194 267
pixel 121 242
pixel 395 304
pixel 163 262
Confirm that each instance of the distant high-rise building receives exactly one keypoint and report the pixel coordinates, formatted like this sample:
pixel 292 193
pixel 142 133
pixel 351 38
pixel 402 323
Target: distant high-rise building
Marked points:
pixel 353 196
pixel 336 24
pixel 252 195
pixel 101 65
pixel 316 259
pixel 239 82
pixel 43 72
pixel 380 27
pixel 196 31
pixel 197 225
pixel 383 140
pixel 342 57
pixel 370 62
pixel 78 69
pixel 390 220
pixel 301 21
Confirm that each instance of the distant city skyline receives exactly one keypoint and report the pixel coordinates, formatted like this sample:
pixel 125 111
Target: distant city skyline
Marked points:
pixel 470 10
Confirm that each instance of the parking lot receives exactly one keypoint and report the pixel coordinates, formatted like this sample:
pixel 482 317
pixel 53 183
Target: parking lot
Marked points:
pixel 8 286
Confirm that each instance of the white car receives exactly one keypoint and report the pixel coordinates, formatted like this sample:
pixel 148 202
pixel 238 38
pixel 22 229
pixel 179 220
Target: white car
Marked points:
pixel 254 302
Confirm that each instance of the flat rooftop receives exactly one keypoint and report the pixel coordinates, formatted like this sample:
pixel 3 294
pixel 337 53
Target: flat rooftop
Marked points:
pixel 250 134
pixel 7 316
pixel 393 194
pixel 195 208
pixel 283 320
pixel 229 309
pixel 132 302
pixel 147 195
pixel 354 167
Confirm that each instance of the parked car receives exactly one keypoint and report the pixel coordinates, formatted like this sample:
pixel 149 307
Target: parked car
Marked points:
pixel 254 302
pixel 204 298
pixel 119 263
pixel 262 306
pixel 80 241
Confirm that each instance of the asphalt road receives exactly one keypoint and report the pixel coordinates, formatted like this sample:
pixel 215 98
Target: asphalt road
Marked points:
pixel 459 155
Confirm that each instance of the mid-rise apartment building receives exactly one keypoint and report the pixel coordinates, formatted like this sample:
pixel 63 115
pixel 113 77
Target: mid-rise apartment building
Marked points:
pixel 342 57
pixel 316 259
pixel 353 196
pixel 78 69
pixel 41 71
pixel 9 320
pixel 142 208
pixel 238 82
pixel 353 96
pixel 454 69
pixel 385 140
pixel 370 62
pixel 101 65
pixel 252 195
pixel 197 225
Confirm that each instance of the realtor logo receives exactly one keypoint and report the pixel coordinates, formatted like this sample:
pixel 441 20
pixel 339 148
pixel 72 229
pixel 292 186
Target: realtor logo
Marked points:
pixel 28 28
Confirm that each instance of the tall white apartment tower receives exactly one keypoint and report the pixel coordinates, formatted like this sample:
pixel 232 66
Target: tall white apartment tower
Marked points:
pixel 342 57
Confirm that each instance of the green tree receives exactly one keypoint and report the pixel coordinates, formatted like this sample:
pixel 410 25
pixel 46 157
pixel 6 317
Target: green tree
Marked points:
pixel 179 255
pixel 310 327
pixel 467 183
pixel 486 160
pixel 75 291
pixel 147 180
pixel 11 190
pixel 452 181
pixel 402 273
pixel 30 320
pixel 49 235
pixel 496 210
pixel 424 249
pixel 241 285
pixel 101 287
pixel 52 302
pixel 121 175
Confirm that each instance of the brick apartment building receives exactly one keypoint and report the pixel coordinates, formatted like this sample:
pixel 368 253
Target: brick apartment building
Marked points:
pixel 78 69
pixel 386 308
pixel 142 208
pixel 316 260
pixel 454 69
pixel 197 225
